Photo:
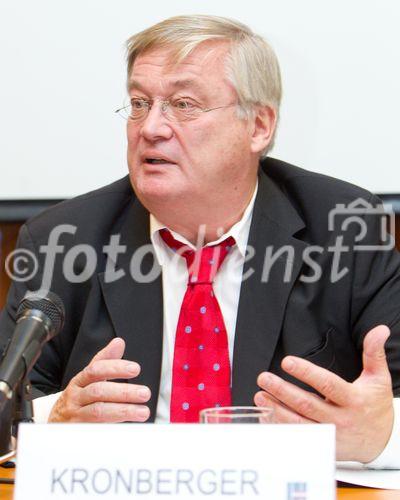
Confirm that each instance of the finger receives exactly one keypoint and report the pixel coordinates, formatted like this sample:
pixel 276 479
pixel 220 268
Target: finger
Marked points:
pixel 295 398
pixel 330 385
pixel 113 392
pixel 374 356
pixel 282 414
pixel 263 399
pixel 112 413
pixel 113 350
pixel 107 369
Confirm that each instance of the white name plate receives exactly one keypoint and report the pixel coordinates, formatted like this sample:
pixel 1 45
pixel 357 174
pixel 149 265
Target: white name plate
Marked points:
pixel 180 461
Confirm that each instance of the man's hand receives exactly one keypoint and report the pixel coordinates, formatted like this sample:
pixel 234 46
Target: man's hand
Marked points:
pixel 90 397
pixel 362 411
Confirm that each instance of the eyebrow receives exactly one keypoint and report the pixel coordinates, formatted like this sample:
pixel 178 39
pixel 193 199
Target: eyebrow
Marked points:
pixel 177 84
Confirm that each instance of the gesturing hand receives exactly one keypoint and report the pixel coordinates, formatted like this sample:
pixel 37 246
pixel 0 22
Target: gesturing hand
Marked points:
pixel 362 410
pixel 90 397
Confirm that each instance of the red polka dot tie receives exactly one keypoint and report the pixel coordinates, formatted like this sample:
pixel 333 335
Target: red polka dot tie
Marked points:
pixel 201 373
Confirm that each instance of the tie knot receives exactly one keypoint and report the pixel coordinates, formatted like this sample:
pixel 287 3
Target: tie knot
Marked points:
pixel 203 264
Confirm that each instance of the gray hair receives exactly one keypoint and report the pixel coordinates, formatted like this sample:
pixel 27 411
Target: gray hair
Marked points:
pixel 252 66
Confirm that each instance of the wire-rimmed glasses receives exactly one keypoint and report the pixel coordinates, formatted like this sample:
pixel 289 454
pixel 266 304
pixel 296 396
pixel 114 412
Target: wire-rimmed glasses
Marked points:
pixel 176 110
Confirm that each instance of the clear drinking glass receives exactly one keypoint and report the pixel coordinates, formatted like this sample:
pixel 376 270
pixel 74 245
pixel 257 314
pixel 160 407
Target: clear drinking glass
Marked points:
pixel 237 415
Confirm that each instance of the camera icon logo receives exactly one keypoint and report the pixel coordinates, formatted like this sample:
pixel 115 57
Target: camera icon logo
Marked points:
pixel 357 212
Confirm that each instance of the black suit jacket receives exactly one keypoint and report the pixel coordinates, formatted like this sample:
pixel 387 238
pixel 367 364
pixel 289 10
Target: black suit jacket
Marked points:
pixel 322 321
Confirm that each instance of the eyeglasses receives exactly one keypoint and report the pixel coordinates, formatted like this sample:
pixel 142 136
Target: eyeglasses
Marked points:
pixel 177 110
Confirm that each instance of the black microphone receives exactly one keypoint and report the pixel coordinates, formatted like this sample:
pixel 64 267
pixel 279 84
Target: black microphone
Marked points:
pixel 39 318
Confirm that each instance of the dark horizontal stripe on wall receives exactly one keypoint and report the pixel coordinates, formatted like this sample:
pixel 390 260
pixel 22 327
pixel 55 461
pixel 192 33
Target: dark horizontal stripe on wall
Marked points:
pixel 391 199
pixel 21 210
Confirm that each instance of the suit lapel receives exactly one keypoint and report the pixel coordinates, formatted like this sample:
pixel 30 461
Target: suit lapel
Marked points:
pixel 136 308
pixel 262 304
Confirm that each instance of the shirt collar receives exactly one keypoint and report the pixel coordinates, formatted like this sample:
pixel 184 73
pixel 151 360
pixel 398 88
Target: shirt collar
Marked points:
pixel 239 231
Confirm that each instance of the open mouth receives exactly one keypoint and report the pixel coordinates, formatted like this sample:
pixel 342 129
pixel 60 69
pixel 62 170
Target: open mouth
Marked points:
pixel 156 161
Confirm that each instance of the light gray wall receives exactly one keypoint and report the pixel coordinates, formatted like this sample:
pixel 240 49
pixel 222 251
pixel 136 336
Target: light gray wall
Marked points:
pixel 62 76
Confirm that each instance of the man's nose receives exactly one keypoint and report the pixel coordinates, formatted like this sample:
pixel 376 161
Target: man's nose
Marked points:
pixel 156 126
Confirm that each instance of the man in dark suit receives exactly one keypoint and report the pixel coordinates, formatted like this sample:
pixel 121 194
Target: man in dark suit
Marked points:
pixel 197 126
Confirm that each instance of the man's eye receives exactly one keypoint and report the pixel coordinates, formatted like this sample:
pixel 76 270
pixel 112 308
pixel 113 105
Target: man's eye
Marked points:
pixel 183 105
pixel 138 104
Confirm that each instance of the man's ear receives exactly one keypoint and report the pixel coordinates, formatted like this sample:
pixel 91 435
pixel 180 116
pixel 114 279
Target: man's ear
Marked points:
pixel 264 124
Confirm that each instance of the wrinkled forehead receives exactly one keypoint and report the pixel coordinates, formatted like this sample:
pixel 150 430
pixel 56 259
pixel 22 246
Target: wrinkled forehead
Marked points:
pixel 207 59
pixel 204 70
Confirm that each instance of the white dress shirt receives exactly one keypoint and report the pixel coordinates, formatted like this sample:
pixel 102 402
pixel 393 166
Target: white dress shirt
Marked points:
pixel 227 289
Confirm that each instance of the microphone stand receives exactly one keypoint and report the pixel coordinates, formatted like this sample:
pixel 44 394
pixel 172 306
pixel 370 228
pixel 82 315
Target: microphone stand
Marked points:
pixel 23 409
pixel 21 412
